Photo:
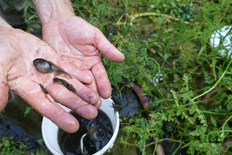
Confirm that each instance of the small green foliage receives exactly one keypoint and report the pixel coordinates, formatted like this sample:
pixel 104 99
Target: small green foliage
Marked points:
pixel 142 129
pixel 38 153
pixel 27 111
pixel 9 147
pixel 177 47
pixel 40 141
pixel 188 53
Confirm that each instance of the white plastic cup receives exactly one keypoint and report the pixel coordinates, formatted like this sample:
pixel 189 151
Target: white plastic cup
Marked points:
pixel 216 39
pixel 50 130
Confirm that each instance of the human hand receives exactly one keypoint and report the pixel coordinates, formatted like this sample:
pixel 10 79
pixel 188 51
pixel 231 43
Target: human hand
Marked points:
pixel 80 43
pixel 18 73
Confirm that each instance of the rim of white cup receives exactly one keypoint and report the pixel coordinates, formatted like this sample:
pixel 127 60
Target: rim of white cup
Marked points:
pixel 108 146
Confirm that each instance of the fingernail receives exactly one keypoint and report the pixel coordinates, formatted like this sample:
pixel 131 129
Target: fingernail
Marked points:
pixel 68 123
pixel 105 92
pixel 88 79
pixel 98 105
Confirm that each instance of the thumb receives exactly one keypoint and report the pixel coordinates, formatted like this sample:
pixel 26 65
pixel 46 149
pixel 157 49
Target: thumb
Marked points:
pixel 106 48
pixel 4 89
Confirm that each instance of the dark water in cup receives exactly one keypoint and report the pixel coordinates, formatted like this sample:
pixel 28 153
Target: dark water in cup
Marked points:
pixel 99 132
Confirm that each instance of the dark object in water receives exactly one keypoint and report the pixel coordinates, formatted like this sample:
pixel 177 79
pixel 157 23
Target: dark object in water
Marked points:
pixel 98 133
pixel 45 66
pixel 64 83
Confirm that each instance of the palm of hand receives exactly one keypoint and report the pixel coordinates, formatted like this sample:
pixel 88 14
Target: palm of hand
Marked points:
pixel 79 43
pixel 18 73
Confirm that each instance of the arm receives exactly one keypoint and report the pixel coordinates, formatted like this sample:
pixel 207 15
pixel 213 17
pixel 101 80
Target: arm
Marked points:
pixel 49 10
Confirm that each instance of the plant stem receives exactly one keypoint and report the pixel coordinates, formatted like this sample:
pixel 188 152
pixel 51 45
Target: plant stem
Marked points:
pixel 223 126
pixel 214 86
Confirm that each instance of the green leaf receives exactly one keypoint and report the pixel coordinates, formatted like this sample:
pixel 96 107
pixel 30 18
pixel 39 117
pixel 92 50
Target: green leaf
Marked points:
pixel 187 95
pixel 166 56
pixel 202 50
pixel 27 111
pixel 213 121
pixel 21 146
pixel 40 153
pixel 40 141
pixel 160 21
pixel 229 106
pixel 6 143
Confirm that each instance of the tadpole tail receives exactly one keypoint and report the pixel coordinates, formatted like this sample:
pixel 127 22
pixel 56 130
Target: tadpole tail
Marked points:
pixel 64 83
pixel 58 71
pixel 63 74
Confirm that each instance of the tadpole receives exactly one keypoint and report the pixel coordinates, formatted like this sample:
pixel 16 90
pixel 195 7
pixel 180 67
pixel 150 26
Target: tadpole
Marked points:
pixel 64 83
pixel 45 66
pixel 43 88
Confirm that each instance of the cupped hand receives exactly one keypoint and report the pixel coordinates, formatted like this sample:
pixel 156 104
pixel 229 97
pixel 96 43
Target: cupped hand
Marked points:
pixel 80 43
pixel 18 73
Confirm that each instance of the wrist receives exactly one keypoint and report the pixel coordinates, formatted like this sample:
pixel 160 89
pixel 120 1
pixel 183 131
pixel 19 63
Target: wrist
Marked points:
pixel 50 10
pixel 4 24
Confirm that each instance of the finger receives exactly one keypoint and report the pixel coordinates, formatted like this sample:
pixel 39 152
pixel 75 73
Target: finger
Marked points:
pixel 46 106
pixel 72 101
pixel 103 83
pixel 68 68
pixel 99 102
pixel 81 90
pixel 4 89
pixel 74 86
pixel 80 75
pixel 108 49
pixel 93 86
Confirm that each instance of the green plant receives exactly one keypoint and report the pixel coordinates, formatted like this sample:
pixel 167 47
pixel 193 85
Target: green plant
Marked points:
pixel 143 129
pixel 9 147
pixel 170 38
pixel 38 153
pixel 191 71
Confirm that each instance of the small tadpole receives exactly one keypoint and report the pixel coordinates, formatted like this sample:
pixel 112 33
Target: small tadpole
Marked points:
pixel 43 88
pixel 64 83
pixel 44 91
